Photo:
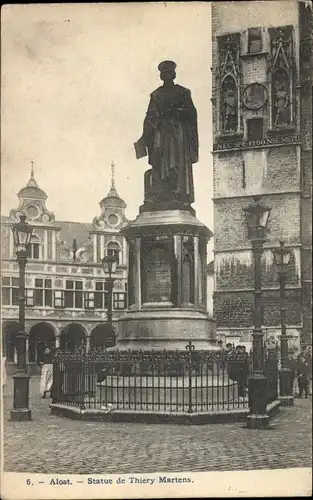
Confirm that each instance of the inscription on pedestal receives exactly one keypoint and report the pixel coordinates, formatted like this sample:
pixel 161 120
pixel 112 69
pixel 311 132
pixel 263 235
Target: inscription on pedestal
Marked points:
pixel 158 276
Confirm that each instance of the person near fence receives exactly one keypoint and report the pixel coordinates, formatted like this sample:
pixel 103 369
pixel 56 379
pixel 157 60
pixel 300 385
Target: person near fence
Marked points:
pixel 292 365
pixel 303 373
pixel 309 360
pixel 239 369
pixel 229 348
pixel 46 379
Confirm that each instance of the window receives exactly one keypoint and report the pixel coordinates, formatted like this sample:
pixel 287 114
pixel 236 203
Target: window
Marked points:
pixel 34 248
pixel 89 300
pixel 255 129
pixel 113 248
pixel 254 40
pixel 74 294
pixel 29 297
pixel 43 292
pixel 101 296
pixel 10 287
pixel 58 298
pixel 119 300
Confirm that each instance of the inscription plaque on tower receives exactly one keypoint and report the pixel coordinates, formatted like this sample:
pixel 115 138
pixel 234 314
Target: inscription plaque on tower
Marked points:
pixel 157 275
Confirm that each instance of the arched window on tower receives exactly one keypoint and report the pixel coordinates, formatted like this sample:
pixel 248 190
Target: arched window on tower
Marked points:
pixel 113 248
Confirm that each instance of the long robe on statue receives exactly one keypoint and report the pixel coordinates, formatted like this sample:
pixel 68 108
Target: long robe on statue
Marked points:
pixel 171 136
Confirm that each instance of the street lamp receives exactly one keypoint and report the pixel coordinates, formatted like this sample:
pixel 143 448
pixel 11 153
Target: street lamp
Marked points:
pixel 22 233
pixel 109 263
pixel 282 258
pixel 257 216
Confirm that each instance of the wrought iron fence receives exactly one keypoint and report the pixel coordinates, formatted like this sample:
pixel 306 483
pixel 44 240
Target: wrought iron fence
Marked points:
pixel 164 381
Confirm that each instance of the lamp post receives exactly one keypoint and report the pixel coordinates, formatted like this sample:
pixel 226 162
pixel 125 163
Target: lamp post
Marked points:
pixel 257 217
pixel 282 258
pixel 109 263
pixel 22 233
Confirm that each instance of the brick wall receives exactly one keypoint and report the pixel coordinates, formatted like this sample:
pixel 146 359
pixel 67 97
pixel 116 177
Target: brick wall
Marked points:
pixel 254 70
pixel 234 310
pixel 246 172
pixel 235 270
pixel 231 229
pixel 283 169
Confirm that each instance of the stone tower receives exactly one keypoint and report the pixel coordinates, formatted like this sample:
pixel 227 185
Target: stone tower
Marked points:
pixel 262 134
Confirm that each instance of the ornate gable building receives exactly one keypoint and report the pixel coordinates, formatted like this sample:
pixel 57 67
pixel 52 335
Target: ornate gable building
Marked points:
pixel 262 127
pixel 66 298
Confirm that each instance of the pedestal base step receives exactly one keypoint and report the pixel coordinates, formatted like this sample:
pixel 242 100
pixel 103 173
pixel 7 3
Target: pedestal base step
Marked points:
pixel 21 414
pixel 158 417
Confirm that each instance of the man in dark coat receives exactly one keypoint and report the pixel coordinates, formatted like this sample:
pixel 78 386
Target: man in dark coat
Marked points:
pixel 170 135
pixel 303 373
pixel 239 369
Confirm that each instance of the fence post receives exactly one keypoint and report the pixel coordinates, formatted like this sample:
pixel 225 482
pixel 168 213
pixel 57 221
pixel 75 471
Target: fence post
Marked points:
pixel 54 381
pixel 82 366
pixel 190 348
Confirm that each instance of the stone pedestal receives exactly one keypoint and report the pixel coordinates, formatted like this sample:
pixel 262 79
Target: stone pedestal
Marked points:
pixel 166 283
pixel 21 409
pixel 166 393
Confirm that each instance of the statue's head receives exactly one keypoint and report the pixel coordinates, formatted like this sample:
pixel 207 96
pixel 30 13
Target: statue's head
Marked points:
pixel 167 71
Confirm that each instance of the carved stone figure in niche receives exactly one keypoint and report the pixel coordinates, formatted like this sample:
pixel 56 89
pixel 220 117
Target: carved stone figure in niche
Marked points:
pixel 281 99
pixel 171 137
pixel 229 105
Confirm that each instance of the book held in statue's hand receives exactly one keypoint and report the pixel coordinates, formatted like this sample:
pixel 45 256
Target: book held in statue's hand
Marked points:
pixel 140 149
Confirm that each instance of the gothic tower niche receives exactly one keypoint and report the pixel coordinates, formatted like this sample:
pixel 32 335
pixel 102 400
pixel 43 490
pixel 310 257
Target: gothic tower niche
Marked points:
pixel 281 76
pixel 229 84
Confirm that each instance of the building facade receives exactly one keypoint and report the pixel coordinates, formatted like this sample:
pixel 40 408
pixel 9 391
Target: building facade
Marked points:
pixel 66 297
pixel 262 128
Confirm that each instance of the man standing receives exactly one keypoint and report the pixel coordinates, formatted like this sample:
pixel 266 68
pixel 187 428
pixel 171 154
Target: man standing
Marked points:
pixel 303 373
pixel 46 379
pixel 170 135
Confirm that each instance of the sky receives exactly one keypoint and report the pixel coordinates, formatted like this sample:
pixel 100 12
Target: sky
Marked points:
pixel 75 82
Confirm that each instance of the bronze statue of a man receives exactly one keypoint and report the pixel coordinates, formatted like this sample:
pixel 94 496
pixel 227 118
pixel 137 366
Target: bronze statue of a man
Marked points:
pixel 170 135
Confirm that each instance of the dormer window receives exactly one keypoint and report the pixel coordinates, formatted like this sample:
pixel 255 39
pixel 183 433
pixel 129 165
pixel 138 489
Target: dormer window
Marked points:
pixel 254 40
pixel 34 248
pixel 113 248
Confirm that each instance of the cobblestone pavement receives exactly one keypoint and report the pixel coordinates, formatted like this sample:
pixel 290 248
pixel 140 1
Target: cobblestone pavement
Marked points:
pixel 51 444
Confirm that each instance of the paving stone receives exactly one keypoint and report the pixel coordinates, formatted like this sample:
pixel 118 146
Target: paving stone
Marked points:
pixel 51 444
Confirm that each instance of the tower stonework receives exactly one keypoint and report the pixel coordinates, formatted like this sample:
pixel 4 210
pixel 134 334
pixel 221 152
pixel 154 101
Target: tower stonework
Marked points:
pixel 262 145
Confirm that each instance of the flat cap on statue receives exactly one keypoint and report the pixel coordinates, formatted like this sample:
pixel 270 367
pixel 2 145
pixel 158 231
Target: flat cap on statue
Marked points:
pixel 167 66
